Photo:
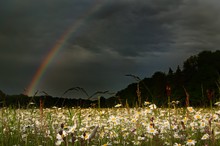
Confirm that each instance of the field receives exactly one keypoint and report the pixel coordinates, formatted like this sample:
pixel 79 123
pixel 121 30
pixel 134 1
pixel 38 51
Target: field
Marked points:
pixel 147 125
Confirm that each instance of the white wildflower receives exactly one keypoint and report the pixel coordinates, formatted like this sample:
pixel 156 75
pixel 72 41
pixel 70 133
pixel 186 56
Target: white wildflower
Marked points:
pixel 118 105
pixel 152 106
pixel 190 142
pixel 205 136
pixel 190 109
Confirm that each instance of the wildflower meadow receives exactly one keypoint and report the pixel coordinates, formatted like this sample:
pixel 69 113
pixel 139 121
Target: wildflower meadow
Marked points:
pixel 119 125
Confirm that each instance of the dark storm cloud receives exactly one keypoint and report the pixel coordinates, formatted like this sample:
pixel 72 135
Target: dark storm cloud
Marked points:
pixel 134 28
pixel 198 27
pixel 129 27
pixel 36 25
pixel 121 37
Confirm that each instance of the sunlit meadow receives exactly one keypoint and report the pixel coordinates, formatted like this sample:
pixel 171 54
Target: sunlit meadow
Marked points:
pixel 120 125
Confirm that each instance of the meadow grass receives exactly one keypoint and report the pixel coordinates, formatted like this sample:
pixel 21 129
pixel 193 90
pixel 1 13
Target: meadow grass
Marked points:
pixel 119 125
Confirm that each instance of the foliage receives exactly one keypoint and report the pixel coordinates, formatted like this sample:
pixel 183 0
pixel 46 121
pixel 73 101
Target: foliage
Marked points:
pixel 199 77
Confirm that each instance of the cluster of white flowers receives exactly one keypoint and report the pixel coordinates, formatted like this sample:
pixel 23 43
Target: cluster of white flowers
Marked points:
pixel 115 126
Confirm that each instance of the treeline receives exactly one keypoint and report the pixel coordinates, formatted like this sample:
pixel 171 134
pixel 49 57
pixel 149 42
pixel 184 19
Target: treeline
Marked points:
pixel 24 101
pixel 198 81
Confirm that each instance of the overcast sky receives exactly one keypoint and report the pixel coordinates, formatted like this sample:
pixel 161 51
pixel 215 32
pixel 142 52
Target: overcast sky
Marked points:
pixel 116 38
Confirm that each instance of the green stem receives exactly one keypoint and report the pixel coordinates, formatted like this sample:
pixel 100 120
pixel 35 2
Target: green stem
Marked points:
pixel 171 131
pixel 99 102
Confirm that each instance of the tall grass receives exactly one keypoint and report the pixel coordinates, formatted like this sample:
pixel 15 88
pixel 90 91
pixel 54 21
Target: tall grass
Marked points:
pixel 218 85
pixel 147 125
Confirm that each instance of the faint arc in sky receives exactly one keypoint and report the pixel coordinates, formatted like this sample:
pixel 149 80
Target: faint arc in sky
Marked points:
pixel 36 79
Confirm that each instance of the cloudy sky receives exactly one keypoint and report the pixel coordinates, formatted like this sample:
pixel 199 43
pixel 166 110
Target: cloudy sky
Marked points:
pixel 110 38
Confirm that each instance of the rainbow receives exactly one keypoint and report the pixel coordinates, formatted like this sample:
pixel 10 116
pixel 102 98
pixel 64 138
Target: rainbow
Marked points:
pixel 36 79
